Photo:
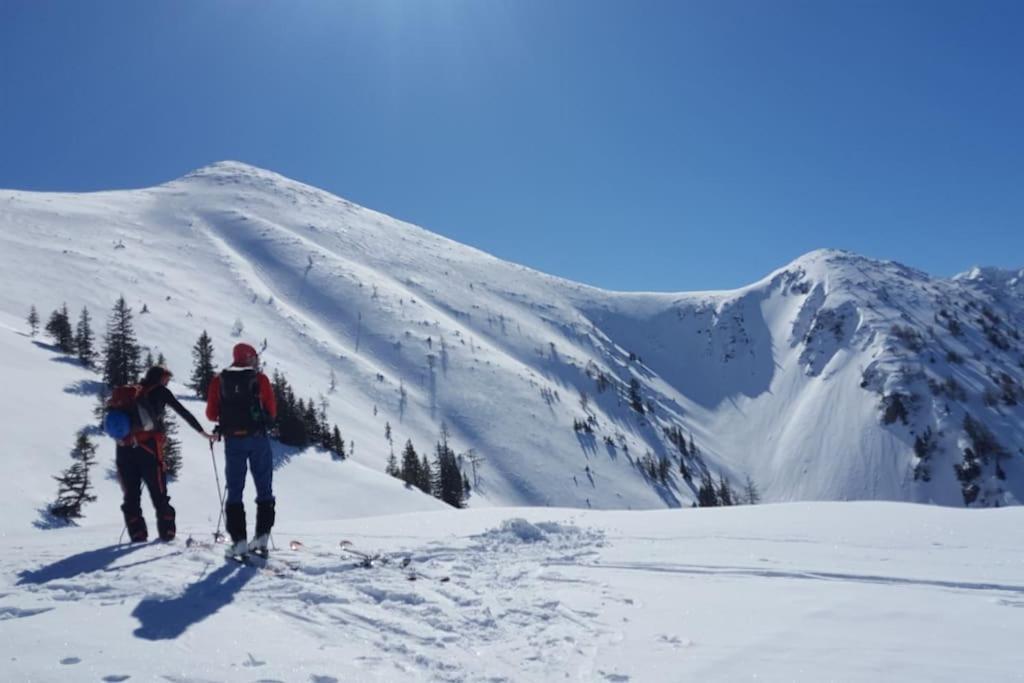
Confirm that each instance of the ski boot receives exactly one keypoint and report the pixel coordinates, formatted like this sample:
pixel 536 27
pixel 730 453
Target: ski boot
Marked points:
pixel 258 546
pixel 237 551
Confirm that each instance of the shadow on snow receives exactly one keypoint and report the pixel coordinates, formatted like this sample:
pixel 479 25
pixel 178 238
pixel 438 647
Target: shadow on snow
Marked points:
pixel 75 565
pixel 168 618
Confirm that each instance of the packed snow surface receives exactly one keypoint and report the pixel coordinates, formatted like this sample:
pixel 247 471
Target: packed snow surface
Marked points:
pixel 792 592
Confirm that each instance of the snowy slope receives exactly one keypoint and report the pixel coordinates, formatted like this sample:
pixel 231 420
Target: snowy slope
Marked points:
pixel 785 381
pixel 52 402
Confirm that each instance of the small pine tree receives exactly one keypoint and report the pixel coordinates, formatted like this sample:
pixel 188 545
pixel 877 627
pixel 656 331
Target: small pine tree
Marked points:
pixel 664 468
pixel 59 328
pixel 33 321
pixel 426 480
pixel 750 493
pixel 203 371
pixel 327 440
pixel 635 400
pixel 74 487
pixel 291 429
pixel 311 421
pixel 449 477
pixel 337 444
pixel 392 467
pixel 84 339
pixel 172 448
pixel 150 361
pixel 725 494
pixel 121 351
pixel 707 496
pixel 410 472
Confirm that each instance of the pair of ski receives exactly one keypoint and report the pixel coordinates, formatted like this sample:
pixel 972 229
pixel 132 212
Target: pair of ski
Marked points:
pixel 364 559
pixel 371 560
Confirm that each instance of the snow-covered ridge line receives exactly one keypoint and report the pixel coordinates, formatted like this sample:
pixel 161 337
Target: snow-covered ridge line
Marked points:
pixel 835 377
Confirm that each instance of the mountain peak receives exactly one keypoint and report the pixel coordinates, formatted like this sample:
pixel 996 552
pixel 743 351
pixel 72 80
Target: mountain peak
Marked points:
pixel 230 169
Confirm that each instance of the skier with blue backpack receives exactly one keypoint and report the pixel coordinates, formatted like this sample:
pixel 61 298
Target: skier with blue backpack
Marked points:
pixel 135 418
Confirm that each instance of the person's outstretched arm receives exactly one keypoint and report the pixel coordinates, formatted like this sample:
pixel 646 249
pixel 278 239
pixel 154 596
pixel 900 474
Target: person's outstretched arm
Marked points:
pixel 182 411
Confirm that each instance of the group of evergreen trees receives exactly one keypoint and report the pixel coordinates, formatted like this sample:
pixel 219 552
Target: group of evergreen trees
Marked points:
pixel 304 423
pixel 442 479
pixel 710 494
pixel 120 365
pixel 79 341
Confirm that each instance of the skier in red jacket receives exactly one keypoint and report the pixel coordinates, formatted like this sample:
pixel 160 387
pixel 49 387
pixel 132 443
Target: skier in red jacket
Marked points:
pixel 241 399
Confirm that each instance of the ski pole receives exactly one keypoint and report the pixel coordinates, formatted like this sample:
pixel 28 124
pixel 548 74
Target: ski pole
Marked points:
pixel 217 537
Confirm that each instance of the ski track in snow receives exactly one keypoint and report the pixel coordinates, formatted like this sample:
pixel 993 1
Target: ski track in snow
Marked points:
pixel 496 606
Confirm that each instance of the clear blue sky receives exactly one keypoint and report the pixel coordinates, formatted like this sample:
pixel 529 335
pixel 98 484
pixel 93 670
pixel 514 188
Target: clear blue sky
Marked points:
pixel 654 145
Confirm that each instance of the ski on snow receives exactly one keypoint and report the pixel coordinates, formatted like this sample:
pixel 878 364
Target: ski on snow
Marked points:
pixel 373 559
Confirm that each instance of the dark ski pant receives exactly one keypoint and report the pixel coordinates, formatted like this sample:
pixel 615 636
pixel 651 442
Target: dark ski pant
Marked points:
pixel 253 453
pixel 144 464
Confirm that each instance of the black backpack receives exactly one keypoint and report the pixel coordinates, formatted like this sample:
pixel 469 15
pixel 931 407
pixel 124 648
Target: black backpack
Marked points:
pixel 240 408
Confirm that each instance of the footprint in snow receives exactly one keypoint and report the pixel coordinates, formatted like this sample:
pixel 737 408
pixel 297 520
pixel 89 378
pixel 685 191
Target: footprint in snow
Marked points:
pixel 675 641
pixel 322 679
pixel 114 678
pixel 614 678
pixel 70 660
pixel 16 613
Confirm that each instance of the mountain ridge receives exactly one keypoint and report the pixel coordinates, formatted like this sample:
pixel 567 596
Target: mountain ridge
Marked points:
pixel 787 380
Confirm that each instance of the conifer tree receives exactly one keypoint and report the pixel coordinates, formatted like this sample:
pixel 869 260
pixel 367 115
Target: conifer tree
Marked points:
pixel 392 467
pixel 750 492
pixel 59 327
pixel 448 476
pixel 74 489
pixel 84 339
pixel 203 371
pixel 725 494
pixel 290 428
pixel 150 361
pixel 410 472
pixel 327 440
pixel 707 496
pixel 121 352
pixel 312 423
pixel 337 447
pixel 172 447
pixel 635 400
pixel 33 320
pixel 426 479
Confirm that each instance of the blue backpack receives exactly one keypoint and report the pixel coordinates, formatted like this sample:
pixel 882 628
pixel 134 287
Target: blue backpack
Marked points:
pixel 127 413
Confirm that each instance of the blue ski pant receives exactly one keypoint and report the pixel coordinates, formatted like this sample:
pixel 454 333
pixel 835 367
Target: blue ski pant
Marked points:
pixel 252 453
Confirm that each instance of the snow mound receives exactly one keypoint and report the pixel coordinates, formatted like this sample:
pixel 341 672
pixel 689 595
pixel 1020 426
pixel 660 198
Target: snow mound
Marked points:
pixel 518 531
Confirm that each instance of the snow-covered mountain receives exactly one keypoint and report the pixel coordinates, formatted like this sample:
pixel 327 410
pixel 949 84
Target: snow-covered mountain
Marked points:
pixel 836 377
pixel 814 382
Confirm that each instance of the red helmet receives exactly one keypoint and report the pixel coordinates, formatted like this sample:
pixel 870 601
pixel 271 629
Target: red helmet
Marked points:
pixel 244 355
